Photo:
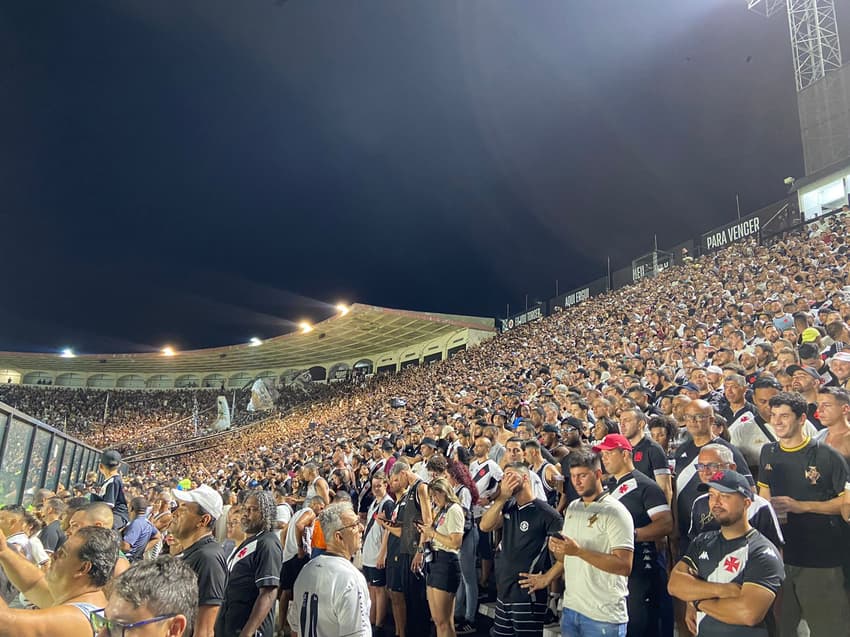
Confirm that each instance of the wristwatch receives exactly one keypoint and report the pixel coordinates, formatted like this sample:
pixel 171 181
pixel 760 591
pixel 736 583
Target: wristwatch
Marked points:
pixel 420 549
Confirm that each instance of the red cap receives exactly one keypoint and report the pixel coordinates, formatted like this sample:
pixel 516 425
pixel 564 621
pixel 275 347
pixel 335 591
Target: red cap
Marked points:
pixel 613 441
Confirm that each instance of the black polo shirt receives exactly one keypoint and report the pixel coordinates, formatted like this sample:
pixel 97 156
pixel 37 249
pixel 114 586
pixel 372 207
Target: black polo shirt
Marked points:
pixel 749 559
pixel 253 565
pixel 649 458
pixel 525 546
pixel 643 498
pixel 206 558
pixel 812 472
pixel 52 536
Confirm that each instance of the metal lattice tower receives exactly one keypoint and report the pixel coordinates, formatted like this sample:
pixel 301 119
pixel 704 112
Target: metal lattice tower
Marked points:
pixel 814 36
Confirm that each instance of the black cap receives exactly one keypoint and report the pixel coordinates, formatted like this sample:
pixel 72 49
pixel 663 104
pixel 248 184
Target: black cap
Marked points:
pixel 551 429
pixel 572 421
pixel 430 442
pixel 727 482
pixel 811 371
pixel 110 458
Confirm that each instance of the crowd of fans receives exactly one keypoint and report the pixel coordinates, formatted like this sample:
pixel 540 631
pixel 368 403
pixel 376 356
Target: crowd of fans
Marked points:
pixel 674 452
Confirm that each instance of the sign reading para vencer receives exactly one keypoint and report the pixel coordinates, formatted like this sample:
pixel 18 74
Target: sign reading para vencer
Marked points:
pixel 732 233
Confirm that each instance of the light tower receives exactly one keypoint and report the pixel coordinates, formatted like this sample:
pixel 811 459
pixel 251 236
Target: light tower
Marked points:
pixel 814 36
pixel 823 84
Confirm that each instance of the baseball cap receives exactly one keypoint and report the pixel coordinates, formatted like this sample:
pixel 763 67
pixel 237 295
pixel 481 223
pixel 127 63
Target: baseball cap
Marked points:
pixel 690 386
pixel 613 441
pixel 110 458
pixel 387 446
pixel 727 482
pixel 430 442
pixel 714 369
pixel 204 496
pixel 809 335
pixel 811 371
pixel 842 356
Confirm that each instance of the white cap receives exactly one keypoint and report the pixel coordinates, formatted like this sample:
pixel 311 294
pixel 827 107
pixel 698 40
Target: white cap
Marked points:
pixel 205 497
pixel 714 369
pixel 841 356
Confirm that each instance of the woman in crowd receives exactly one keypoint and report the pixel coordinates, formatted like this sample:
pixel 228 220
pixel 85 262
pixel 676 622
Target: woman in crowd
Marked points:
pixel 467 593
pixel 446 537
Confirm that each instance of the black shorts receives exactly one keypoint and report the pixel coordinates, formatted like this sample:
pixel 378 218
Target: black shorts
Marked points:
pixel 400 578
pixel 444 571
pixel 290 570
pixel 375 576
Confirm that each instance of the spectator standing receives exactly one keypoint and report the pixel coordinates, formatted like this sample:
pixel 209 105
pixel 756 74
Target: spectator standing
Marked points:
pixel 730 576
pixel 526 523
pixel 111 492
pixel 805 482
pixel 375 549
pixel 330 595
pixel 140 533
pixel 52 536
pixel 192 525
pixel 253 573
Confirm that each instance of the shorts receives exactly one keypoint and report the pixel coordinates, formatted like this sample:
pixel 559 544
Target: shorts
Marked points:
pixel 518 619
pixel 400 579
pixel 444 571
pixel 290 570
pixel 375 576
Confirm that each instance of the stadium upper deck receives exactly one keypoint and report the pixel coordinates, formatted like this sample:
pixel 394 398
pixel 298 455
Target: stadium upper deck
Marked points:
pixel 363 337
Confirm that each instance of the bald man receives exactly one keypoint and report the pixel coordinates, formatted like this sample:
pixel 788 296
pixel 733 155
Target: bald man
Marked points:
pixel 100 515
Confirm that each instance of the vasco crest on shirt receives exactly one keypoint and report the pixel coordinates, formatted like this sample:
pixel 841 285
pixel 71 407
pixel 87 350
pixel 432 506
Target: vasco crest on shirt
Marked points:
pixel 812 475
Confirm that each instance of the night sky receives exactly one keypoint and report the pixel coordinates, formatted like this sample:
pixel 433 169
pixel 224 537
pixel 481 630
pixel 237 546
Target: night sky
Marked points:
pixel 203 171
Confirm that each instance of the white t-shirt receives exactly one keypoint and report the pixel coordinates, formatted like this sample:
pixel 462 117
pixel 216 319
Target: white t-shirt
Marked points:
pixel 603 525
pixel 448 522
pixel 372 540
pixel 747 436
pixel 39 555
pixel 284 513
pixel 290 546
pixel 331 597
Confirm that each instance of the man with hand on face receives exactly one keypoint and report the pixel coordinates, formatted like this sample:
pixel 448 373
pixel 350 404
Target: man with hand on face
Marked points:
pixel 594 553
pixel 192 524
pixel 526 523
pixel 731 576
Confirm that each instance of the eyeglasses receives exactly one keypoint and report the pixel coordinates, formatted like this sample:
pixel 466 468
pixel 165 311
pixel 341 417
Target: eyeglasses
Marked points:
pixel 349 526
pixel 711 466
pixel 695 417
pixel 110 627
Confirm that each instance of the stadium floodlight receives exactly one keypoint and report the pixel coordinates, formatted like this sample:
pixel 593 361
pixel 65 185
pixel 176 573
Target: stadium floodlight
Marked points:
pixel 255 342
pixel 305 327
pixel 168 351
pixel 68 353
pixel 343 308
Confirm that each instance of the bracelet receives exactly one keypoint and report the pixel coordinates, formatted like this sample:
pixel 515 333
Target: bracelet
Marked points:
pixel 420 549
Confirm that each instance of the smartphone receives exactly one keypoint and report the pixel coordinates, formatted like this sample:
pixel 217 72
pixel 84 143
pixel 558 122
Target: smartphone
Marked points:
pixel 556 534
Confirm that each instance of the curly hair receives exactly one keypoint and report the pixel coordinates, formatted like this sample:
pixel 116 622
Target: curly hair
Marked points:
pixel 460 474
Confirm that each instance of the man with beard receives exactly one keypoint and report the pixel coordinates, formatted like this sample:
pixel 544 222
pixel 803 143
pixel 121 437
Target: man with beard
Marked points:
pixel 254 573
pixel 594 553
pixel 647 455
pixel 192 524
pixel 525 522
pixel 731 576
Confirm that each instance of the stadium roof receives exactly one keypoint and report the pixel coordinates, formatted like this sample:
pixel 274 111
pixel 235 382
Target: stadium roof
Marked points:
pixel 361 332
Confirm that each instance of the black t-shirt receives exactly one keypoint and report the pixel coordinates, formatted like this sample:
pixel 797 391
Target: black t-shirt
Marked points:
pixel 525 546
pixel 112 493
pixel 255 564
pixel 649 458
pixel 750 558
pixel 643 498
pixel 206 558
pixel 812 472
pixel 687 480
pixel 52 536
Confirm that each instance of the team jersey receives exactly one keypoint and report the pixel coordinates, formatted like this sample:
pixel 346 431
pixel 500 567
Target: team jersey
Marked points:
pixel 374 532
pixel 749 559
pixel 811 472
pixel 525 546
pixel 253 565
pixel 761 515
pixel 486 476
pixel 687 481
pixel 650 459
pixel 111 493
pixel 603 525
pixel 330 599
pixel 550 493
pixel 642 498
